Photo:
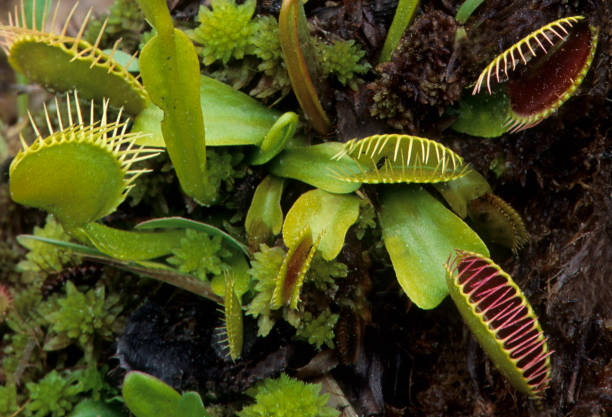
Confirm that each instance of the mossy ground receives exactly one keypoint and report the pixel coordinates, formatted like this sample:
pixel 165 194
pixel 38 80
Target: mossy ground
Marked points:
pixel 414 362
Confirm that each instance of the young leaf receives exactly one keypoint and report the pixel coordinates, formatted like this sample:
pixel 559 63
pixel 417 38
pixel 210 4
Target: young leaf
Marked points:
pixel 276 139
pixel 265 216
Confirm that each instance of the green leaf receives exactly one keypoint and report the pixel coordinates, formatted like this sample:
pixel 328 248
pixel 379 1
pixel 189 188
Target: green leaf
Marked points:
pixel 182 223
pixel 459 192
pixel 483 115
pixel 420 234
pixel 147 396
pixel 85 250
pixel 91 408
pixel 276 139
pixel 124 59
pixel 132 246
pixel 403 15
pixel 314 165
pixel 170 71
pixel 465 11
pixel 231 117
pixel 265 216
pixel 190 405
pixel 329 217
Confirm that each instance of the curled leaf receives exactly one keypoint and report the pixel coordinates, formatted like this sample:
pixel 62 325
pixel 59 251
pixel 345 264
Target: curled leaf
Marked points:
pixel 264 218
pixel 276 139
pixel 299 60
pixel 296 263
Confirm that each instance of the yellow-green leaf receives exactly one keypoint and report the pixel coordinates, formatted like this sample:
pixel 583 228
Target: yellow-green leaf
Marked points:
pixel 420 234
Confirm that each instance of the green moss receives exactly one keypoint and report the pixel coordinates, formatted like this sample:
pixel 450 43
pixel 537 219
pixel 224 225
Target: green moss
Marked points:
pixel 266 47
pixel 288 397
pixel 81 315
pixel 322 274
pixel 343 60
pixel 264 269
pixel 43 256
pixel 223 167
pixel 125 20
pixel 366 219
pixel 56 393
pixel 200 255
pixel 8 399
pixel 224 31
pixel 318 331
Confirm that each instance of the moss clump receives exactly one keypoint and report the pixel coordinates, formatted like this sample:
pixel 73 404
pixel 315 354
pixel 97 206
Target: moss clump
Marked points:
pixel 85 315
pixel 264 269
pixel 342 59
pixel 200 255
pixel 57 393
pixel 318 331
pixel 288 397
pixel 43 256
pixel 230 32
pixel 225 31
pixel 266 47
pixel 125 21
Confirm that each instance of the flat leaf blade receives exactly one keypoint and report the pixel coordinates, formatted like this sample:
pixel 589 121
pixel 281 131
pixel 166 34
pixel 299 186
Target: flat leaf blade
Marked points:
pixel 420 234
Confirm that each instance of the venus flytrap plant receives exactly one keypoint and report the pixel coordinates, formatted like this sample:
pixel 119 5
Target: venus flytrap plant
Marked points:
pixel 541 72
pixel 400 158
pixel 45 57
pixel 81 172
pixel 188 111
pixel 502 320
pixel 292 272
